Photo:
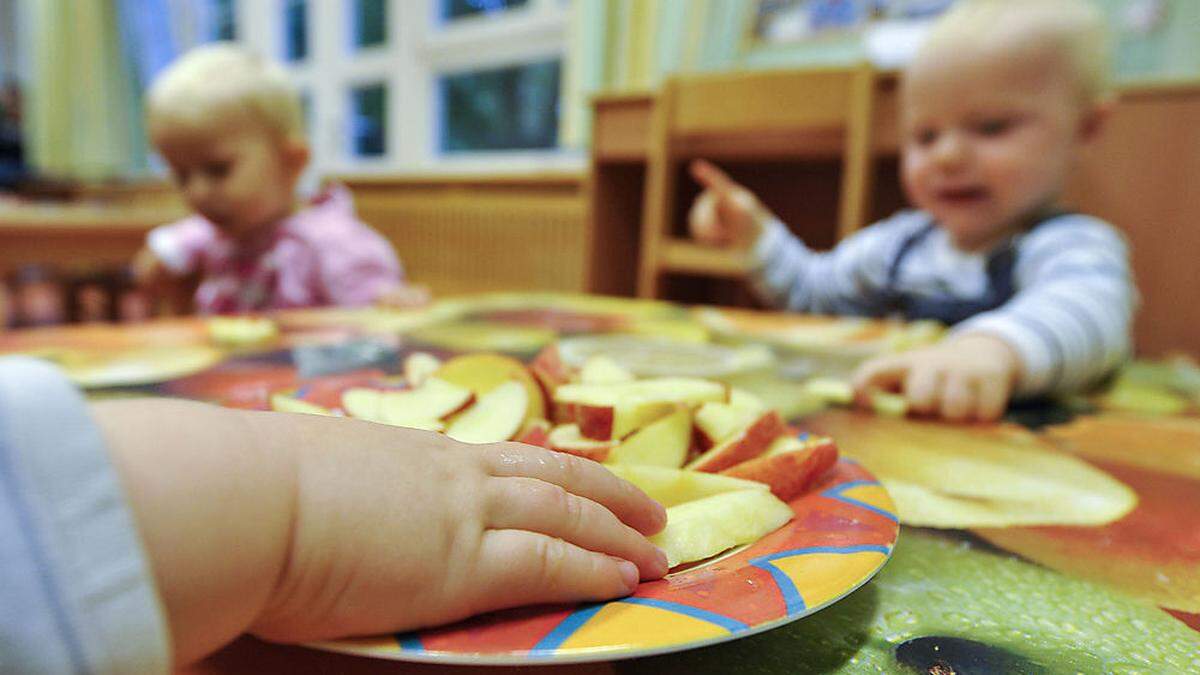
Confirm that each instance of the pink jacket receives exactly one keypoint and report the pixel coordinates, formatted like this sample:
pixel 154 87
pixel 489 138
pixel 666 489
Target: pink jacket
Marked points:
pixel 320 256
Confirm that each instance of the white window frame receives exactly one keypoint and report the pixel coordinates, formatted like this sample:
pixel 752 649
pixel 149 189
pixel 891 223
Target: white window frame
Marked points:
pixel 419 49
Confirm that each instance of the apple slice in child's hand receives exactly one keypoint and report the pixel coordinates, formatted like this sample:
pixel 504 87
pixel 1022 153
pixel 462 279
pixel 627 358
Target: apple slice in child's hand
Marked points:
pixel 792 472
pixel 497 416
pixel 676 486
pixel 567 438
pixel 705 527
pixel 749 442
pixel 436 399
pixel 661 443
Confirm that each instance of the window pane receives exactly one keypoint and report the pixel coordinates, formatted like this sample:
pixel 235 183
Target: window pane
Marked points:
pixel 295 30
pixel 224 21
pixel 457 9
pixel 370 23
pixel 368 121
pixel 512 108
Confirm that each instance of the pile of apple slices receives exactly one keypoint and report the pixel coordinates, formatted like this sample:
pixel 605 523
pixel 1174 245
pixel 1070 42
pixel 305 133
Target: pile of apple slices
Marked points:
pixel 720 461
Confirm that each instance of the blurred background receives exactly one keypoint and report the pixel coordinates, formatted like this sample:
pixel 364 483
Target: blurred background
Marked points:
pixel 467 127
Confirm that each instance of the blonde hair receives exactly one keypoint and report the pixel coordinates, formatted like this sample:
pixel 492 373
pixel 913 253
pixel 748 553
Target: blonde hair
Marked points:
pixel 223 80
pixel 1076 29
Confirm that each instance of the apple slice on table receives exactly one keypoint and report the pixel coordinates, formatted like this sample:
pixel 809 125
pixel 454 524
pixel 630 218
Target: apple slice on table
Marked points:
pixel 497 416
pixel 419 366
pixel 839 392
pixel 535 432
pixel 676 486
pixel 664 442
pixel 422 407
pixel 363 403
pixel 613 411
pixel 281 402
pixel 749 442
pixel 718 422
pixel 551 373
pixel 601 369
pixel 481 373
pixel 705 527
pixel 566 438
pixel 789 473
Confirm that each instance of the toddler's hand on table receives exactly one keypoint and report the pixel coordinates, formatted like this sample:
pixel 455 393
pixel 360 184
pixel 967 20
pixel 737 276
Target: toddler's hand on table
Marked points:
pixel 963 378
pixel 148 271
pixel 398 529
pixel 726 213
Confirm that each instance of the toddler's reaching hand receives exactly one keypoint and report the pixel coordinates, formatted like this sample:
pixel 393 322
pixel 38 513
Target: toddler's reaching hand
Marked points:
pixel 726 213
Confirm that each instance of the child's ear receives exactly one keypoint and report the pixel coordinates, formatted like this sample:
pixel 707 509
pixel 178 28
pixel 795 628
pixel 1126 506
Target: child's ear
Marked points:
pixel 296 155
pixel 1094 119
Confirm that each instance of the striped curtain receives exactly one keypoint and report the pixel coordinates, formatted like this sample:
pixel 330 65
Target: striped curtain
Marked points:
pixel 630 45
pixel 91 62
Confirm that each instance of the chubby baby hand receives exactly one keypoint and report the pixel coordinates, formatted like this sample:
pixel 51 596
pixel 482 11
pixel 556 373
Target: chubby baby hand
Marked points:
pixel 397 529
pixel 968 377
pixel 726 213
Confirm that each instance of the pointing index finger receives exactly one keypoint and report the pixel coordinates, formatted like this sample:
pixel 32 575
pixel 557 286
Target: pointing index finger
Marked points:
pixel 707 174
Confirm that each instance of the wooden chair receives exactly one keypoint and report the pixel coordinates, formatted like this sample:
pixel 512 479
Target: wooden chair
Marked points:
pixel 818 114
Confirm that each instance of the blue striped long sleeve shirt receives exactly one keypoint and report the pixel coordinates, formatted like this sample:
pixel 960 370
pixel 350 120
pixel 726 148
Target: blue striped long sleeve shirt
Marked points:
pixel 1068 319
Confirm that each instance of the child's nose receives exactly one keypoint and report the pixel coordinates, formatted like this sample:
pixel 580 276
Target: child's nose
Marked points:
pixel 950 149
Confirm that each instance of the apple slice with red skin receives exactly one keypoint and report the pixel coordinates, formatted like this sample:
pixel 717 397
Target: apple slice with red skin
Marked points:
pixel 790 473
pixel 750 442
pixel 535 432
pixel 613 411
pixel 664 442
pixel 497 416
pixel 567 438
pixel 551 373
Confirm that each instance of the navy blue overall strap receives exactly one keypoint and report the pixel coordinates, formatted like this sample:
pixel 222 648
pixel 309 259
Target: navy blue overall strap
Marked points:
pixel 1001 285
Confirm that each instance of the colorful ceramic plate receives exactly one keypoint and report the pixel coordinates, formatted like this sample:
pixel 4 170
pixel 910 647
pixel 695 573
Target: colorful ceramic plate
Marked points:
pixel 843 533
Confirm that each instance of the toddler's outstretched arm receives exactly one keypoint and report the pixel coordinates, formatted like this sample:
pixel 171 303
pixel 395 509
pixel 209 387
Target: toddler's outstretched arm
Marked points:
pixel 299 528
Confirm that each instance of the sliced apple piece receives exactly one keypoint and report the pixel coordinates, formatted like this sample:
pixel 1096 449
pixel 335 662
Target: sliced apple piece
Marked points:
pixel 535 432
pixel 749 442
pixel 889 404
pixel 717 422
pixel 740 398
pixel 676 486
pixel 481 373
pixel 601 369
pixel 567 438
pixel 363 403
pixel 551 373
pixel 281 402
pixel 789 474
pixel 705 527
pixel 608 411
pixel 434 400
pixel 419 366
pixel 830 390
pixel 497 416
pixel 241 331
pixel 661 443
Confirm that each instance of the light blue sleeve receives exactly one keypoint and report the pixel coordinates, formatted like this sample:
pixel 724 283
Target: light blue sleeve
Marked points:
pixel 76 589
pixel 850 279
